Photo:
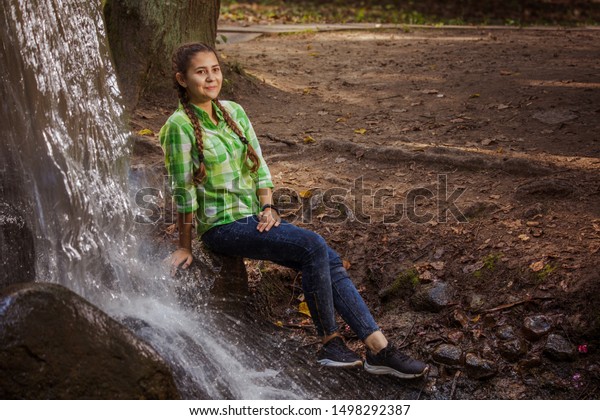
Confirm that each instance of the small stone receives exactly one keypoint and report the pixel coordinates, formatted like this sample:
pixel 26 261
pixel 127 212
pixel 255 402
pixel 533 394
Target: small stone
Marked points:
pixel 506 332
pixel 476 302
pixel 512 350
pixel 432 297
pixel 479 368
pixel 536 326
pixel 558 348
pixel 447 354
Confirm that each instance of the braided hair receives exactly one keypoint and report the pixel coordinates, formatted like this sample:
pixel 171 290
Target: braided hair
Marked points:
pixel 181 61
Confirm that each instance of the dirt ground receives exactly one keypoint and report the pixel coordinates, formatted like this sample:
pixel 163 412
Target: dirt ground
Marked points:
pixel 463 158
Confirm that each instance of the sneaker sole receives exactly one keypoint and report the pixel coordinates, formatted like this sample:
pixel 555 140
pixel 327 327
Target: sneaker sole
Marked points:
pixel 336 364
pixel 385 370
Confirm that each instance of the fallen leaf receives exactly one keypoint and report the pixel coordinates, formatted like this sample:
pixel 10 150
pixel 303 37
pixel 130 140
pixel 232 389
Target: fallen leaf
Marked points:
pixel 475 95
pixel 468 269
pixel 524 237
pixel 306 194
pixel 360 130
pixel 279 324
pixel 146 132
pixel 306 91
pixel 309 139
pixel 346 264
pixel 537 266
pixel 303 309
pixel 341 119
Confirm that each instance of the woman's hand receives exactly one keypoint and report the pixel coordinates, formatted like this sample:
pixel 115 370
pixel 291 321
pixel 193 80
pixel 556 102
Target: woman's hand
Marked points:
pixel 181 257
pixel 267 219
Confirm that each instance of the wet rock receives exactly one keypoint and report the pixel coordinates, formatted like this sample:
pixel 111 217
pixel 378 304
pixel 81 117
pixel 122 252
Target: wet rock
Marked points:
pixel 56 345
pixel 506 332
pixel 479 368
pixel 536 326
pixel 220 278
pixel 559 348
pixel 432 297
pixel 449 355
pixel 17 257
pixel 513 349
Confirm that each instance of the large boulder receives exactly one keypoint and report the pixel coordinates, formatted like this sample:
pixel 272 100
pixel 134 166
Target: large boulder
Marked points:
pixel 17 258
pixel 56 345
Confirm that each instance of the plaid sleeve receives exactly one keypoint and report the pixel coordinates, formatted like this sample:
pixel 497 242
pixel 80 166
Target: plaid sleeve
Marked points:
pixel 176 141
pixel 263 174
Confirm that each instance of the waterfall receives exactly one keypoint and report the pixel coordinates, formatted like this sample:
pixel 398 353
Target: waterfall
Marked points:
pixel 64 163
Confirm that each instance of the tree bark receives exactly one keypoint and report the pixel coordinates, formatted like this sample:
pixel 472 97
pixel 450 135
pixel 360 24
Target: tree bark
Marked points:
pixel 143 34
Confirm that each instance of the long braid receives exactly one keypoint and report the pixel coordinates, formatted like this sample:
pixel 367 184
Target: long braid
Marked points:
pixel 180 62
pixel 250 152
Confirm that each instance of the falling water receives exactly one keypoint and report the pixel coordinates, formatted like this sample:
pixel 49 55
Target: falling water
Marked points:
pixel 63 155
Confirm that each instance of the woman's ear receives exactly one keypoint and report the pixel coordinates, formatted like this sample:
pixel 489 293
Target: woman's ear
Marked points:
pixel 180 79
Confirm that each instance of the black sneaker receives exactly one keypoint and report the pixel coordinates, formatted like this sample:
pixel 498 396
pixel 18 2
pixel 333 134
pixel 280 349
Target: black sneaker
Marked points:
pixel 334 353
pixel 390 361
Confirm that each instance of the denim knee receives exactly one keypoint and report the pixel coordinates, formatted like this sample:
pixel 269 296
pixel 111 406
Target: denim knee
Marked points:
pixel 314 245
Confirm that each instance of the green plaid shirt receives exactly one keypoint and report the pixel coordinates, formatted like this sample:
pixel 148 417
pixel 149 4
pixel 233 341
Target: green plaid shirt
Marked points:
pixel 229 191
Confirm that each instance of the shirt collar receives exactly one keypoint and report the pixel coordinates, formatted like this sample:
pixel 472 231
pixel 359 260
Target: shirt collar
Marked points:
pixel 203 115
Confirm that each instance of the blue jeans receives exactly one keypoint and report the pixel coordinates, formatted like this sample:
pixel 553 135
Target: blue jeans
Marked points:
pixel 325 282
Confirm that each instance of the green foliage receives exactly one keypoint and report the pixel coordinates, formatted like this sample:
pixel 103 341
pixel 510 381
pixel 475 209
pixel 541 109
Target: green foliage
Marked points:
pixel 454 12
pixel 545 272
pixel 406 281
pixel 490 263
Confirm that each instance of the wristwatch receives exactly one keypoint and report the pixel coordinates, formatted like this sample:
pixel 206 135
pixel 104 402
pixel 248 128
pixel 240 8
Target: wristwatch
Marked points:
pixel 270 206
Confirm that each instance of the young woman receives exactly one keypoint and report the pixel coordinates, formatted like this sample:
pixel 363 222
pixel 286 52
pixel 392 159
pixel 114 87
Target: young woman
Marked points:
pixel 218 176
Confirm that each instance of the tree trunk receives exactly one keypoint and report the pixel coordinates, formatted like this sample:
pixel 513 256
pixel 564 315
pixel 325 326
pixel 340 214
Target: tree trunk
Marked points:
pixel 143 34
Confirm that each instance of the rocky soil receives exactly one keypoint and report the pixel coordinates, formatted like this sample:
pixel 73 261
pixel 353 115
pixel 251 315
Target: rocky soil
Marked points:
pixel 456 172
